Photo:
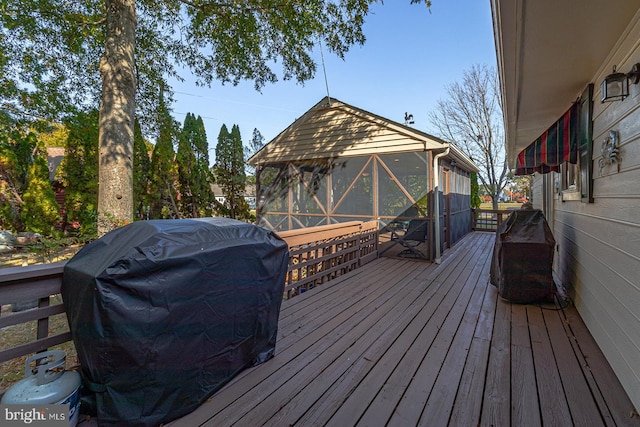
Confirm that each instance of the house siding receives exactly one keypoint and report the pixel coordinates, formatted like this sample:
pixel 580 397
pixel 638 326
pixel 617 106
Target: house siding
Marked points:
pixel 339 131
pixel 537 195
pixel 599 243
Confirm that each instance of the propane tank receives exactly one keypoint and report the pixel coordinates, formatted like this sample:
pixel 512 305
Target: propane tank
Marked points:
pixel 48 383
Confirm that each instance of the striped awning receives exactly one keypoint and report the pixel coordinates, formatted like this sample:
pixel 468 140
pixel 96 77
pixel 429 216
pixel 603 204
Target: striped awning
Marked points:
pixel 557 145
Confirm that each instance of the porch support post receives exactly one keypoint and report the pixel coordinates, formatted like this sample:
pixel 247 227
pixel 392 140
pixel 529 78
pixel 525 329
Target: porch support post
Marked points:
pixel 436 202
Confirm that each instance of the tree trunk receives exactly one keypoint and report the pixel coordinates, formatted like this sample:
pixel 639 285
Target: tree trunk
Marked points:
pixel 494 201
pixel 117 114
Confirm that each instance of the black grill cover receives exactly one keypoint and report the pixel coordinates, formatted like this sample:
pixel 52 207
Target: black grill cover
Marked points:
pixel 163 313
pixel 523 257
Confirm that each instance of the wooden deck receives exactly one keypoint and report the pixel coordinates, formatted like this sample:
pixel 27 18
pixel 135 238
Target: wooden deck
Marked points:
pixel 403 343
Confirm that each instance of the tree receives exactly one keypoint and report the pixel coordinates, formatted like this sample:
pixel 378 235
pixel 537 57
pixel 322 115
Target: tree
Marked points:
pixel 78 172
pixel 56 52
pixel 206 199
pixel 141 168
pixel 229 170
pixel 194 175
pixel 52 134
pixel 520 185
pixel 40 212
pixel 186 163
pixel 255 144
pixel 472 118
pixel 17 145
pixel 163 172
pixel 475 191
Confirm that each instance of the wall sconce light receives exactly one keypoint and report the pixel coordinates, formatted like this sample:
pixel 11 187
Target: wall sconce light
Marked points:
pixel 615 87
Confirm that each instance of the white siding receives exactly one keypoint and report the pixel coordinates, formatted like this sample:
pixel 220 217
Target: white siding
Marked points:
pixel 537 197
pixel 599 243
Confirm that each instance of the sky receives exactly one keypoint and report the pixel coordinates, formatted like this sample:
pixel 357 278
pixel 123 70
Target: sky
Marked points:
pixel 409 58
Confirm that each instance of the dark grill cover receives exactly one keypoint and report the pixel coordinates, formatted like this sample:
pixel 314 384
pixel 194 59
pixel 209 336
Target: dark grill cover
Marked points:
pixel 163 313
pixel 523 257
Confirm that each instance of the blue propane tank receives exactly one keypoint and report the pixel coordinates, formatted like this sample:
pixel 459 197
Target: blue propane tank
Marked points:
pixel 48 383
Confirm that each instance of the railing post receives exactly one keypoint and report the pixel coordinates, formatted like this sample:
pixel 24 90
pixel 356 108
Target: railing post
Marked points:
pixel 43 324
pixel 473 219
pixel 359 247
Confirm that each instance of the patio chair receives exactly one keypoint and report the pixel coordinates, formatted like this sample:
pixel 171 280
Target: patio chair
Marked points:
pixel 416 234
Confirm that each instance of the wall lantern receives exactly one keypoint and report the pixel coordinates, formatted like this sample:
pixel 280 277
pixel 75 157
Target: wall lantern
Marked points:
pixel 615 87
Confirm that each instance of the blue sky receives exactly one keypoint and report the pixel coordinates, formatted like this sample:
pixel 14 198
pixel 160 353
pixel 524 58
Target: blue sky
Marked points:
pixel 408 59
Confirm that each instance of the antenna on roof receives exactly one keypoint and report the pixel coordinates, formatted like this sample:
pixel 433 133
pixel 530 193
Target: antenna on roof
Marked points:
pixel 324 70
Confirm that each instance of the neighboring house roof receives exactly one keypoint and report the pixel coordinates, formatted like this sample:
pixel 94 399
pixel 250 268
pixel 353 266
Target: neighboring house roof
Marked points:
pixel 54 158
pixel 249 190
pixel 548 51
pixel 332 128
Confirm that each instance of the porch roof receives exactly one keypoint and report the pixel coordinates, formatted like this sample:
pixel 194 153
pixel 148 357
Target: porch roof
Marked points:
pixel 333 128
pixel 548 51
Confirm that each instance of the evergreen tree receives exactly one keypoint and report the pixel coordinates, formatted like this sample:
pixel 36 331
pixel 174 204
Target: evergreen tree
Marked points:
pixel 163 173
pixel 187 170
pixel 255 145
pixel 23 144
pixel 141 168
pixel 475 191
pixel 16 150
pixel 40 212
pixel 223 165
pixel 52 134
pixel 78 171
pixel 206 198
pixel 230 173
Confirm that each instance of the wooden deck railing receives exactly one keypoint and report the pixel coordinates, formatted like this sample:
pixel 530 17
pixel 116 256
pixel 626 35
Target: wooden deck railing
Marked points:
pixel 488 219
pixel 316 255
pixel 22 285
pixel 322 253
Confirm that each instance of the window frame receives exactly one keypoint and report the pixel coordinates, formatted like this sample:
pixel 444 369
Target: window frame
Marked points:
pixel 582 172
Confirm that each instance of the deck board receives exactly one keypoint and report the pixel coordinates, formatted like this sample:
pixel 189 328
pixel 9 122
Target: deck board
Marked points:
pixel 337 358
pixel 525 407
pixel 399 337
pixel 392 373
pixel 440 335
pixel 440 402
pixel 614 397
pixel 312 346
pixel 404 342
pixel 468 404
pixel 496 407
pixel 575 385
pixel 553 404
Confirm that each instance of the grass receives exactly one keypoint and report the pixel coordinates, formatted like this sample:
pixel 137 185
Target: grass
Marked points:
pixel 24 257
pixel 487 220
pixel 501 206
